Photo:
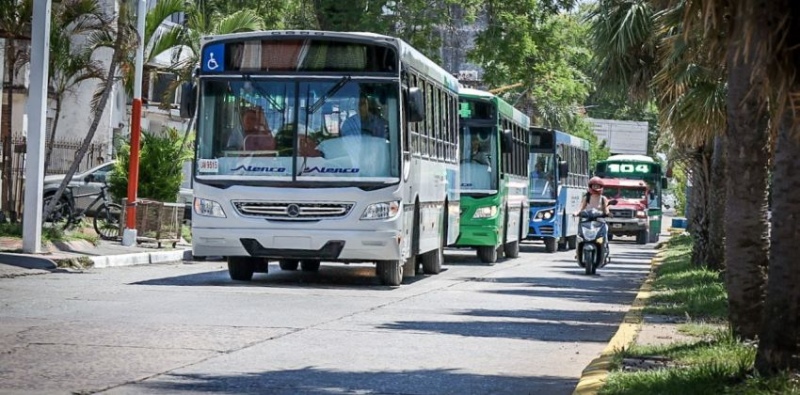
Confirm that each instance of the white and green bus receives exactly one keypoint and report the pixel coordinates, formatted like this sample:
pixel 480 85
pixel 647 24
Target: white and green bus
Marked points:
pixel 324 147
pixel 495 147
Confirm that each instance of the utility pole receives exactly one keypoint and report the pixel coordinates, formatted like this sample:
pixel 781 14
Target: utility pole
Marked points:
pixel 37 110
pixel 129 234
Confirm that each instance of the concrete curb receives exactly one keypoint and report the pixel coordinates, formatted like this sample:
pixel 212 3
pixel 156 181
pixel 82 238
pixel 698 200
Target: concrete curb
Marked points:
pixel 141 258
pixel 594 375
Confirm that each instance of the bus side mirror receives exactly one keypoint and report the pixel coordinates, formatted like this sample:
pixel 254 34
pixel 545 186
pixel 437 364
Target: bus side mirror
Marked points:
pixel 563 169
pixel 415 105
pixel 188 100
pixel 506 142
pixel 664 183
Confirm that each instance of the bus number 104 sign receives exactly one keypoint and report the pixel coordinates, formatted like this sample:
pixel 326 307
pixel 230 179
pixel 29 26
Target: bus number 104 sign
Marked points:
pixel 628 168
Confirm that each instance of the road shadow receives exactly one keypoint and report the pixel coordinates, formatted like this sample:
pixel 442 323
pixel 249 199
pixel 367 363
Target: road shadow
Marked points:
pixel 317 381
pixel 329 276
pixel 591 316
pixel 505 329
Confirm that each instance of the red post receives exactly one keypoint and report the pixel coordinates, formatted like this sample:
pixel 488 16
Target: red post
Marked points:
pixel 133 172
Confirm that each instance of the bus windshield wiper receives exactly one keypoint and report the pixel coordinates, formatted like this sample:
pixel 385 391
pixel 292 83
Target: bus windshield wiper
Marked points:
pixel 335 88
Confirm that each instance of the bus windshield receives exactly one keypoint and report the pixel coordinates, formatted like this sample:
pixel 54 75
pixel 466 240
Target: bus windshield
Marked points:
pixel 295 129
pixel 542 176
pixel 478 160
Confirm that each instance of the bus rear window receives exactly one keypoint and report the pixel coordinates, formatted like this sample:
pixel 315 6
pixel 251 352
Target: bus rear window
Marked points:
pixel 541 139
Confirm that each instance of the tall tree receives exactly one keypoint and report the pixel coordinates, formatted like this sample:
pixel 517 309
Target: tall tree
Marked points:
pixel 532 45
pixel 113 32
pixel 16 17
pixel 779 336
pixel 69 64
pixel 747 153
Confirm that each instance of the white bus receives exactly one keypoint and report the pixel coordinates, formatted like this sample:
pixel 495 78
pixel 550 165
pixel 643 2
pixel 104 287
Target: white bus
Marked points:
pixel 324 147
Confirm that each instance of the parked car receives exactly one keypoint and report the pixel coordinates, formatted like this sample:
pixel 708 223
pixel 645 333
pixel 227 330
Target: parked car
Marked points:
pixel 87 186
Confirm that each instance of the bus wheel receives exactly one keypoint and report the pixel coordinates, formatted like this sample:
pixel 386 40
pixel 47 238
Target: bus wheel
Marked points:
pixel 390 272
pixel 488 254
pixel 572 242
pixel 310 265
pixel 550 244
pixel 288 264
pixel 413 264
pixel 241 268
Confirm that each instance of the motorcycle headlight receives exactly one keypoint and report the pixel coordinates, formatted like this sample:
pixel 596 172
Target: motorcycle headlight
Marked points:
pixel 485 212
pixel 208 208
pixel 383 210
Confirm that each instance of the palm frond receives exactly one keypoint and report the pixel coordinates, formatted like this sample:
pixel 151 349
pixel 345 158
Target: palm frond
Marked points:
pixel 158 14
pixel 240 21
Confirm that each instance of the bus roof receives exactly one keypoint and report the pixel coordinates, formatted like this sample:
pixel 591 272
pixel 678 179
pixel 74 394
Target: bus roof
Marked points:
pixel 622 182
pixel 406 52
pixel 502 106
pixel 568 139
pixel 631 158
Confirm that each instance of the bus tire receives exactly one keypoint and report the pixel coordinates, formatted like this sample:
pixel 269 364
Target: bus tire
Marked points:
pixel 511 249
pixel 288 264
pixel 432 260
pixel 390 272
pixel 488 254
pixel 550 244
pixel 572 242
pixel 310 265
pixel 241 268
pixel 413 264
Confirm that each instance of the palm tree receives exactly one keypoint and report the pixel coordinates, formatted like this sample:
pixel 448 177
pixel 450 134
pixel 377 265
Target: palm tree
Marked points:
pixel 117 33
pixel 16 17
pixel 69 66
pixel 692 97
pixel 682 76
pixel 779 337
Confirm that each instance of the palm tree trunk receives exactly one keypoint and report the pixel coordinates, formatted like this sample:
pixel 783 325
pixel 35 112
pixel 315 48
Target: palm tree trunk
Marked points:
pixel 8 180
pixel 87 141
pixel 746 242
pixel 716 228
pixel 52 139
pixel 779 342
pixel 700 206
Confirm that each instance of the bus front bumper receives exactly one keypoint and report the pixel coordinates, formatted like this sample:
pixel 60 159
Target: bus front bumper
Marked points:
pixel 326 245
pixel 478 236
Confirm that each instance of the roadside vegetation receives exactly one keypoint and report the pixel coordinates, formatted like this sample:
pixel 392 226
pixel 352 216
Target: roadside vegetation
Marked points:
pixel 50 234
pixel 715 361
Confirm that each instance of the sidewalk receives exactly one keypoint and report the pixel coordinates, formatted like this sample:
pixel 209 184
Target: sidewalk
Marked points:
pixel 80 254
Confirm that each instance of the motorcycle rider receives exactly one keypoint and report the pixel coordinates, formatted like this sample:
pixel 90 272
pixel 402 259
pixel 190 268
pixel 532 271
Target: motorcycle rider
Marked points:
pixel 594 199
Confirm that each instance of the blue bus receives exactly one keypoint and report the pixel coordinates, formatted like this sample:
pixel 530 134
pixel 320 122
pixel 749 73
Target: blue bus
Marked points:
pixel 559 174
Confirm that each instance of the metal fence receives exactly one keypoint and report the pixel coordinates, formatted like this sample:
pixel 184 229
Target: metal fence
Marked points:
pixel 61 159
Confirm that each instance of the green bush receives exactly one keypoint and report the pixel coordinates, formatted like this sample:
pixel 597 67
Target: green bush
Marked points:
pixel 160 167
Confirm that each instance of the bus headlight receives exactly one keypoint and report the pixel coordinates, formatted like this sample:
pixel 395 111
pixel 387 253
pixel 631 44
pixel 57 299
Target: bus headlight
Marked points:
pixel 485 212
pixel 544 215
pixel 208 208
pixel 384 210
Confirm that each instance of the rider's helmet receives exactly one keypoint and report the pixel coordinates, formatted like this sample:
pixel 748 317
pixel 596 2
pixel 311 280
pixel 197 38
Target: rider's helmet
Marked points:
pixel 596 185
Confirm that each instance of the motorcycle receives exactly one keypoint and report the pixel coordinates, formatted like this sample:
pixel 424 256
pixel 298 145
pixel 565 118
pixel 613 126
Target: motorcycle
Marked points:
pixel 593 251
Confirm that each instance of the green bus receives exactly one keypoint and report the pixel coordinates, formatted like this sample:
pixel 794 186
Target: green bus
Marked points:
pixel 495 146
pixel 639 167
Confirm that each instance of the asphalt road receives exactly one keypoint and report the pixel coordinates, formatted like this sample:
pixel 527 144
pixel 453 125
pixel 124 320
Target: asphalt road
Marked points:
pixel 523 326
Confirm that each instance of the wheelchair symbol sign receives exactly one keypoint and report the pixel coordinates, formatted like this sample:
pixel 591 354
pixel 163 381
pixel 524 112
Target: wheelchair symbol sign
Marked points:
pixel 213 58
